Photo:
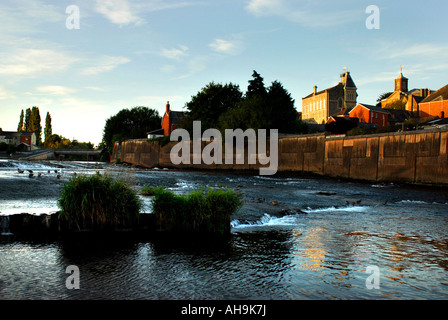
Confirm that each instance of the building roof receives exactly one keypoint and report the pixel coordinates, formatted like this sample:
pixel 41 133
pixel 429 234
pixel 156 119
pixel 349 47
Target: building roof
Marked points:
pixel 176 116
pixel 441 94
pixel 322 91
pixel 349 81
pixel 157 131
pixel 370 107
pixel 399 115
pixel 15 133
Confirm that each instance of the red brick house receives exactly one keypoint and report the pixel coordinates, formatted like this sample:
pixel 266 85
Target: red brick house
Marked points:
pixel 370 114
pixel 171 119
pixel 435 105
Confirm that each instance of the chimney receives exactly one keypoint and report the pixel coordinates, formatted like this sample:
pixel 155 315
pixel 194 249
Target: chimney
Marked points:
pixel 315 89
pixel 167 106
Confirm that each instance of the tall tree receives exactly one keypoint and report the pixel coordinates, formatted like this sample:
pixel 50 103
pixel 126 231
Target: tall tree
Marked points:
pixel 48 129
pixel 256 86
pixel 211 102
pixel 36 126
pixel 27 126
pixel 20 126
pixel 132 123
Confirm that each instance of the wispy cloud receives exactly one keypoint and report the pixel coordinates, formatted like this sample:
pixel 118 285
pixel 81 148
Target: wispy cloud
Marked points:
pixel 105 64
pixel 5 95
pixel 175 53
pixel 233 46
pixel 118 12
pixel 31 62
pixel 313 14
pixel 55 90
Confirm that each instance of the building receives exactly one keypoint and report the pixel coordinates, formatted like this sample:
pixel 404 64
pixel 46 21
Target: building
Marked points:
pixel 170 121
pixel 435 105
pixel 319 106
pixel 370 114
pixel 26 140
pixel 410 99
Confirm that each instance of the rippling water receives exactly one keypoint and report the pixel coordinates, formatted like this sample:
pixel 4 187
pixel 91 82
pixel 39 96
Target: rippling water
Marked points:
pixel 295 238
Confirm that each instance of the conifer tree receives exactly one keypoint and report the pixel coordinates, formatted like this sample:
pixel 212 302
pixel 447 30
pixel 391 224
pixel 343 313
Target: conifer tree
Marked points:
pixel 20 126
pixel 27 126
pixel 36 126
pixel 48 130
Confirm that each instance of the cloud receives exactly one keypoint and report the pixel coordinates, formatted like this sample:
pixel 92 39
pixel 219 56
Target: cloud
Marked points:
pixel 32 62
pixel 231 47
pixel 5 95
pixel 55 90
pixel 312 14
pixel 118 12
pixel 176 53
pixel 105 64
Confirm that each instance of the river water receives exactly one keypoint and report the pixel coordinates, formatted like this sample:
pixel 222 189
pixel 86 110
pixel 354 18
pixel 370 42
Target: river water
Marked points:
pixel 295 238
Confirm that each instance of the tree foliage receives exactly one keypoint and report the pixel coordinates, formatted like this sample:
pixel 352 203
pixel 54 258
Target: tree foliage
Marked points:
pixel 31 123
pixel 225 107
pixel 20 125
pixel 48 129
pixel 210 103
pixel 132 123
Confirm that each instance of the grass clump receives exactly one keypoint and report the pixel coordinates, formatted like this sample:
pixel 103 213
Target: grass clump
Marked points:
pixel 147 191
pixel 200 211
pixel 98 202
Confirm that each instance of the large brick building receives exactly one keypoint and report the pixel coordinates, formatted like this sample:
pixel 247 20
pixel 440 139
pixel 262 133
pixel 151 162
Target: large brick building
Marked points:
pixel 435 105
pixel 409 98
pixel 319 106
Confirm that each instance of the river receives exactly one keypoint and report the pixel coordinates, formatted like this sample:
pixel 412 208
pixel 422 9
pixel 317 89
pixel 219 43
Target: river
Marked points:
pixel 295 238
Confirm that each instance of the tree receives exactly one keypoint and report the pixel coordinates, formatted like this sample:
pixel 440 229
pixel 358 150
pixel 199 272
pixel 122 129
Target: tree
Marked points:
pixel 132 123
pixel 20 126
pixel 271 108
pixel 36 126
pixel 48 129
pixel 210 103
pixel 382 97
pixel 27 126
pixel 397 105
pixel 256 86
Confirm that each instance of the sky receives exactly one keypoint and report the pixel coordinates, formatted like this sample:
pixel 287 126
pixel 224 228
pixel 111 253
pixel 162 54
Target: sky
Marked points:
pixel 84 61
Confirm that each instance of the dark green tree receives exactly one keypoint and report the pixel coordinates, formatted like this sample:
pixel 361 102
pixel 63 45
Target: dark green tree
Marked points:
pixel 27 125
pixel 271 108
pixel 256 86
pixel 36 126
pixel 132 123
pixel 210 103
pixel 48 129
pixel 20 126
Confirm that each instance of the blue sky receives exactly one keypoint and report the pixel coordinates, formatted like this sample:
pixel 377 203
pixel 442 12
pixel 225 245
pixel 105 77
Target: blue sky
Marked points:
pixel 130 53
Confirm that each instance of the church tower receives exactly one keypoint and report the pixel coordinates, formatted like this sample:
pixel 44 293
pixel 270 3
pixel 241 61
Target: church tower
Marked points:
pixel 350 94
pixel 401 83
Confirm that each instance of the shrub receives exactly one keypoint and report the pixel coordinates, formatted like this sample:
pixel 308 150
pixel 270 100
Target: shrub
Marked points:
pixel 98 202
pixel 200 211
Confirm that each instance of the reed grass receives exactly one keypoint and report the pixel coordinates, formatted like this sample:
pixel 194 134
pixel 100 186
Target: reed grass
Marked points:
pixel 98 202
pixel 202 210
